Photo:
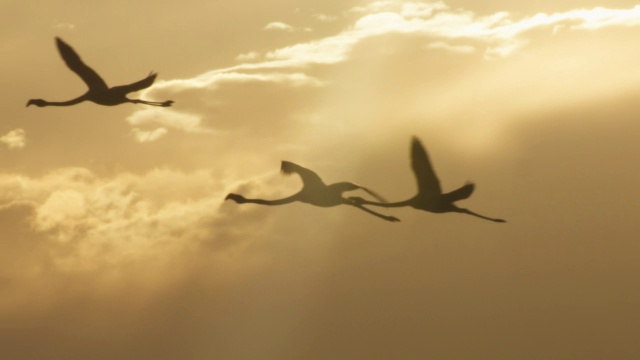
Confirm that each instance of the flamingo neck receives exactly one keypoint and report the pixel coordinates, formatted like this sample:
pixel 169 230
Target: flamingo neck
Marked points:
pixel 282 201
pixel 65 103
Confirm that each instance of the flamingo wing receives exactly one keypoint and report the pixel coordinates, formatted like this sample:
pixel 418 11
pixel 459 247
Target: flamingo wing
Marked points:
pixel 73 61
pixel 462 193
pixel 136 86
pixel 309 178
pixel 428 183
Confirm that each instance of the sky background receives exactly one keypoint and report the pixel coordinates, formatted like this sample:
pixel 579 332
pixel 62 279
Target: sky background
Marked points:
pixel 116 242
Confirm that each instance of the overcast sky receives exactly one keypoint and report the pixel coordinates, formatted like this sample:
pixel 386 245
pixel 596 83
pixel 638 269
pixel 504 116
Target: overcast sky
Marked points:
pixel 116 242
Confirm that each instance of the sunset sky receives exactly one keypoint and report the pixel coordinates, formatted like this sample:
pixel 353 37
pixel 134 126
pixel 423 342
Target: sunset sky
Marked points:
pixel 116 241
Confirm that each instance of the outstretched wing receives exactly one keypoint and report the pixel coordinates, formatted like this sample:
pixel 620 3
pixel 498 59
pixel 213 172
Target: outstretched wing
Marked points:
pixel 428 183
pixel 73 61
pixel 309 178
pixel 136 86
pixel 462 193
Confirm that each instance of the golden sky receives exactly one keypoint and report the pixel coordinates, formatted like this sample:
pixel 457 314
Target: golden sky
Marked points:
pixel 116 242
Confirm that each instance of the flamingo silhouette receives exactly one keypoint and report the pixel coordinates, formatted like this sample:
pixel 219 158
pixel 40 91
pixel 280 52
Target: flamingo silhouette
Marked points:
pixel 315 192
pixel 429 197
pixel 98 91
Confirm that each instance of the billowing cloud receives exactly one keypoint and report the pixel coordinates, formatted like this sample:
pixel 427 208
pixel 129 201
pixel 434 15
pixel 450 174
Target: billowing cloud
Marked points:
pixel 14 139
pixel 107 221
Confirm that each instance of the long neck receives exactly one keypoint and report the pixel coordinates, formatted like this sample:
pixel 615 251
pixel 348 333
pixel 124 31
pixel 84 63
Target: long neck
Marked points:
pixel 66 103
pixel 283 201
pixel 467 211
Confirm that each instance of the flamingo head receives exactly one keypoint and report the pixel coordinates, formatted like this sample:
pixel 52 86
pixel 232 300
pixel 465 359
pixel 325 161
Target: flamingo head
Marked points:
pixel 37 102
pixel 235 197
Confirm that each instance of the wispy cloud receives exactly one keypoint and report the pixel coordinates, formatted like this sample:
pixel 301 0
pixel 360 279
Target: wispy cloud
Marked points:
pixel 501 33
pixel 206 92
pixel 441 27
pixel 64 26
pixel 149 135
pixel 325 17
pixel 168 118
pixel 278 25
pixel 248 56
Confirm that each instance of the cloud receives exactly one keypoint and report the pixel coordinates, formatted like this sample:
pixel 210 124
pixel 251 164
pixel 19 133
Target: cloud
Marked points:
pixel 376 6
pixel 131 242
pixel 109 221
pixel 404 8
pixel 249 56
pixel 212 93
pixel 64 26
pixel 460 49
pixel 325 17
pixel 292 96
pixel 149 136
pixel 500 32
pixel 169 118
pixel 280 26
pixel 277 25
pixel 289 83
pixel 15 139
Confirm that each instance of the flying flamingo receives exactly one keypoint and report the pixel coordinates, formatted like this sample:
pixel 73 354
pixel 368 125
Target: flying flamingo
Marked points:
pixel 430 197
pixel 98 91
pixel 315 192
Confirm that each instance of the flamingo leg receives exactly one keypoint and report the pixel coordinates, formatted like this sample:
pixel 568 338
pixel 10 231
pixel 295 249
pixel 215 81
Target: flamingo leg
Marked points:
pixel 467 211
pixel 385 217
pixel 153 103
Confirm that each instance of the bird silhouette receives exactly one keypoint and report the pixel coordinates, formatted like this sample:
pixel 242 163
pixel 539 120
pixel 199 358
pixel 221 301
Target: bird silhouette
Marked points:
pixel 430 197
pixel 98 91
pixel 315 192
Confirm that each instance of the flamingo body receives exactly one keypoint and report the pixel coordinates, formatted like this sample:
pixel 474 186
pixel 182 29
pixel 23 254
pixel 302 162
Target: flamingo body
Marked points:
pixel 315 192
pixel 99 92
pixel 430 196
